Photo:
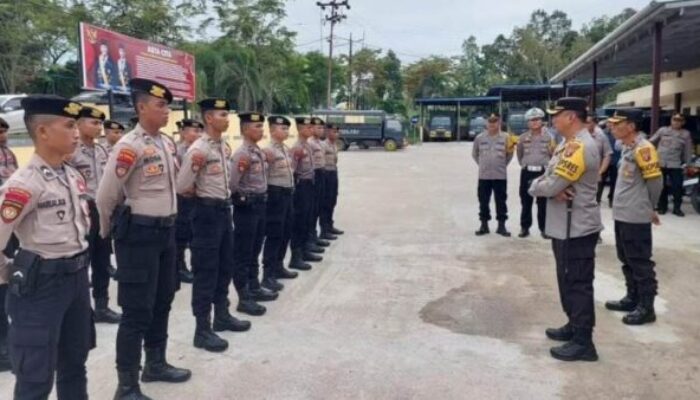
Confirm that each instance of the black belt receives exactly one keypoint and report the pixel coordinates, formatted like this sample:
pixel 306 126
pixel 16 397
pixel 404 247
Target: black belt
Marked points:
pixel 210 202
pixel 256 197
pixel 58 266
pixel 272 189
pixel 155 222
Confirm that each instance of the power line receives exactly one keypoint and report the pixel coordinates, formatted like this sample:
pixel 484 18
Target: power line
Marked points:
pixel 336 16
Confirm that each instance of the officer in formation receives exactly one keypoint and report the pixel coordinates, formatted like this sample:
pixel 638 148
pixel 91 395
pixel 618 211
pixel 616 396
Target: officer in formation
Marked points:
pixel 637 192
pixel 204 177
pixel 90 158
pixel 304 176
pixel 45 204
pixel 248 184
pixel 189 131
pixel 8 166
pixel 279 213
pixel 606 152
pixel 330 200
pixel 534 150
pixel 315 244
pixel 573 222
pixel 493 151
pixel 611 174
pixel 675 148
pixel 136 199
pixel 113 132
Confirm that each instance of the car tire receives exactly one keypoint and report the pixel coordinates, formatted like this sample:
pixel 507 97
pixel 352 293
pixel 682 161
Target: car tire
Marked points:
pixel 390 145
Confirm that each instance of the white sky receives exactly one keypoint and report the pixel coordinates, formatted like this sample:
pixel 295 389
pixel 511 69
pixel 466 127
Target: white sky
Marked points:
pixel 420 28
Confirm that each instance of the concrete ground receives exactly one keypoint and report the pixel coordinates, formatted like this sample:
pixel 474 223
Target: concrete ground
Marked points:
pixel 409 304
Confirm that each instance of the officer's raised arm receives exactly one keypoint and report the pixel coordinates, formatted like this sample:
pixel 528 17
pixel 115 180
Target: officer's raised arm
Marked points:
pixel 239 164
pixel 569 169
pixel 110 192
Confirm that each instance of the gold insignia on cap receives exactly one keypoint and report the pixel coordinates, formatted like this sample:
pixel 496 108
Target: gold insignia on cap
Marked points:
pixel 220 104
pixel 157 91
pixel 307 121
pixel 279 121
pixel 255 117
pixel 96 113
pixel 73 108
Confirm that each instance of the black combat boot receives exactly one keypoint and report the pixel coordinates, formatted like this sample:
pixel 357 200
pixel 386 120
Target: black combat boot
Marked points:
pixel 205 338
pixel 580 348
pixel 311 257
pixel 269 281
pixel 283 273
pixel 484 230
pixel 563 334
pixel 157 368
pixel 128 387
pixel 524 232
pixel 104 314
pixel 248 306
pixel 336 231
pixel 678 212
pixel 224 321
pixel 4 355
pixel 502 229
pixel 297 261
pixel 261 294
pixel 322 243
pixel 312 247
pixel 327 235
pixel 643 314
pixel 627 303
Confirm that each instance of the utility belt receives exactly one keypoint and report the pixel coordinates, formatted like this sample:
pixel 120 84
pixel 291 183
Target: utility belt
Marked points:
pixel 211 202
pixel 122 218
pixel 248 199
pixel 27 266
pixel 273 190
pixel 153 222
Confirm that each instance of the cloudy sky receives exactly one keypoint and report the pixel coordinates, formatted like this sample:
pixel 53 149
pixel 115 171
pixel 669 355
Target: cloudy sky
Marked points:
pixel 419 28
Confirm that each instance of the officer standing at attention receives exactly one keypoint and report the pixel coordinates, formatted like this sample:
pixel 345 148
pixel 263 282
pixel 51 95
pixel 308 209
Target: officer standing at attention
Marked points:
pixel 190 130
pixel 203 177
pixel 573 222
pixel 303 166
pixel 493 151
pixel 314 244
pixel 248 185
pixel 280 191
pixel 90 158
pixel 534 150
pixel 136 198
pixel 48 304
pixel 328 230
pixel 637 192
pixel 113 132
pixel 675 148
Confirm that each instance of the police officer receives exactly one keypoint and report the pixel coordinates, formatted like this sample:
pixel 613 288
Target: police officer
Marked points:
pixel 248 184
pixel 48 305
pixel 113 132
pixel 330 146
pixel 314 244
pixel 89 158
pixel 136 198
pixel 189 130
pixel 573 221
pixel 203 177
pixel 280 191
pixel 303 164
pixel 606 152
pixel 675 148
pixel 611 174
pixel 8 160
pixel 534 150
pixel 493 151
pixel 637 192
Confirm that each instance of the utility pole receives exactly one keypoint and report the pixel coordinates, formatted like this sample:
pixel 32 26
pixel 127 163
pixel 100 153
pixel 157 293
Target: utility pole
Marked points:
pixel 336 15
pixel 350 104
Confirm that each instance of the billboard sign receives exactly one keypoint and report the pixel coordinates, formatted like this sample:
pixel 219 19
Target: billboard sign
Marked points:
pixel 110 59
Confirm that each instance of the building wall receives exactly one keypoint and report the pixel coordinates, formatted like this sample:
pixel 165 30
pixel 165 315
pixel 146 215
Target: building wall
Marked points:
pixel 688 85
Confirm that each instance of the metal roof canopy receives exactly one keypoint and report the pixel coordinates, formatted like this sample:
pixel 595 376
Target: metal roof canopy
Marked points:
pixel 544 92
pixel 628 49
pixel 462 101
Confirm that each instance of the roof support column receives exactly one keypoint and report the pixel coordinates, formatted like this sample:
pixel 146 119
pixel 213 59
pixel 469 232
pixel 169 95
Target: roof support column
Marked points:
pixel 594 90
pixel 420 126
pixel 459 131
pixel 656 78
pixel 678 97
pixel 565 85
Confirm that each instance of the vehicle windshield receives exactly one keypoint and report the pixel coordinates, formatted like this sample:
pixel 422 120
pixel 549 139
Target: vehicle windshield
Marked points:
pixel 4 98
pixel 441 122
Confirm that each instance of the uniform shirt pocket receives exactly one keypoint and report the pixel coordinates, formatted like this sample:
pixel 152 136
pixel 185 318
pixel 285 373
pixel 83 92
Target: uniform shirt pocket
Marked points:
pixel 52 225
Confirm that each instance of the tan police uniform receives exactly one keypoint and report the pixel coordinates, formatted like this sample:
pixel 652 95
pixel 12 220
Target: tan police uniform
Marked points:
pixel 8 163
pixel 492 153
pixel 205 170
pixel 675 148
pixel 534 152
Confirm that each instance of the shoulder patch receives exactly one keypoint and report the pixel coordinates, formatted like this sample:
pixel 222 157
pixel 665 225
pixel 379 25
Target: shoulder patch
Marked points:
pixel 13 204
pixel 572 164
pixel 648 161
pixel 125 160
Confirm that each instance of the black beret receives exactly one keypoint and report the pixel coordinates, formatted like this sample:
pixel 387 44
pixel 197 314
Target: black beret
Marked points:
pixel 251 117
pixel 279 120
pixel 190 123
pixel 626 114
pixel 4 124
pixel 51 105
pixel 317 121
pixel 578 104
pixel 109 124
pixel 153 88
pixel 303 120
pixel 92 112
pixel 214 104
